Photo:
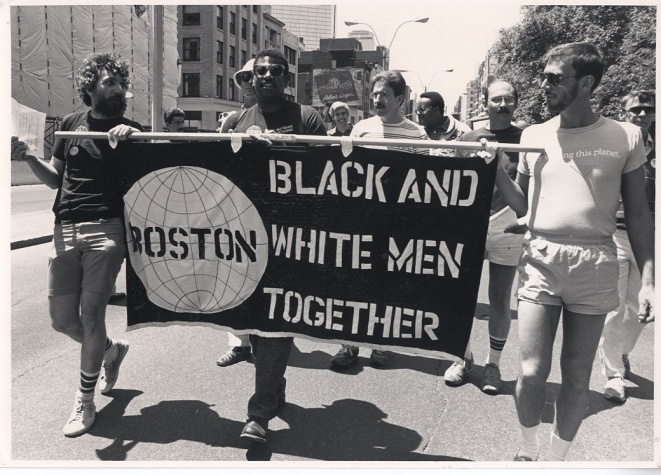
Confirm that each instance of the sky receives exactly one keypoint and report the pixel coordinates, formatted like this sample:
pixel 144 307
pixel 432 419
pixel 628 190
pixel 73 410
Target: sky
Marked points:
pixel 457 36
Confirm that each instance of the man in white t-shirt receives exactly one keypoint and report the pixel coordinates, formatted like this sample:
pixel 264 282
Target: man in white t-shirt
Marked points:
pixel 388 88
pixel 569 262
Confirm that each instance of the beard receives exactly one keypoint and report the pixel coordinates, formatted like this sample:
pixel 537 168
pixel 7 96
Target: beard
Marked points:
pixel 564 102
pixel 113 106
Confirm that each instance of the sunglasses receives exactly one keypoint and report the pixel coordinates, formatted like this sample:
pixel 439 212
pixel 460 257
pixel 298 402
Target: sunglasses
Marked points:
pixel 554 79
pixel 244 76
pixel 422 110
pixel 638 109
pixel 276 70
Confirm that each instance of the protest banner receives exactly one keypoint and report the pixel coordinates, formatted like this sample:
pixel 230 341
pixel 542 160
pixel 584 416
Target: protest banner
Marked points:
pixel 380 248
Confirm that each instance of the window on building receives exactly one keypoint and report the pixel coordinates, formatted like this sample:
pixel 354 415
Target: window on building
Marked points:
pixel 244 57
pixel 191 15
pixel 292 79
pixel 290 54
pixel 231 92
pixel 191 84
pixel 233 23
pixel 254 33
pixel 191 49
pixel 232 56
pixel 219 87
pixel 220 17
pixel 193 119
pixel 244 29
pixel 254 8
pixel 220 47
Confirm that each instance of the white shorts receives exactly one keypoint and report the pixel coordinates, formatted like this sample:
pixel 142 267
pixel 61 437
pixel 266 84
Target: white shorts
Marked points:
pixel 501 247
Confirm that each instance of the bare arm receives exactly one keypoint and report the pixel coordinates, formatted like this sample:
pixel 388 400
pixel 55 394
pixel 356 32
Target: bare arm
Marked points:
pixel 640 229
pixel 515 194
pixel 48 172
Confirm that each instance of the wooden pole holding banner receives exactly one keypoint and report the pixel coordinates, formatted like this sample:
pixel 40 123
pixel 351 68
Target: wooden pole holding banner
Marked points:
pixel 307 139
pixel 157 74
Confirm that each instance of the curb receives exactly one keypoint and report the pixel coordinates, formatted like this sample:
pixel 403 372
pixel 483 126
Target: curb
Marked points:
pixel 33 241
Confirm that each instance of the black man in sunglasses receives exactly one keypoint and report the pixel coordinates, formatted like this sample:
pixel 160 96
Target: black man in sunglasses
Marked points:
pixel 273 113
pixel 569 264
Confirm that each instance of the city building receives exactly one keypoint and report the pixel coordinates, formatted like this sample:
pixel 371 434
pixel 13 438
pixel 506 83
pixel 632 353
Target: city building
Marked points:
pixel 308 22
pixel 215 41
pixel 365 37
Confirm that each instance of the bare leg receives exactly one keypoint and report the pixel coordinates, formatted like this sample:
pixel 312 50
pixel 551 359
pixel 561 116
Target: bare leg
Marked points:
pixel 500 294
pixel 65 315
pixel 93 317
pixel 537 328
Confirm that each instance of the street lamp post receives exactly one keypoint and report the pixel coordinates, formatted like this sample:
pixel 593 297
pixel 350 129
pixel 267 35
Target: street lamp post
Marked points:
pixel 432 78
pixel 385 52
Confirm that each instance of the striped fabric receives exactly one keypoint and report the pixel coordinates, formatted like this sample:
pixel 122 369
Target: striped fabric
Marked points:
pixel 374 128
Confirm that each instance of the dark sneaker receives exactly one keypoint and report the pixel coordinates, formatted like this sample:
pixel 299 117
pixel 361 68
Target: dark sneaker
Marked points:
pixel 491 381
pixel 455 374
pixel 81 418
pixel 347 356
pixel 378 358
pixel 233 356
pixel 110 369
pixel 627 366
pixel 254 431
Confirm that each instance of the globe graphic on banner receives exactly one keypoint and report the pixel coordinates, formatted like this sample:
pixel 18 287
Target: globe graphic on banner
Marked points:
pixel 195 240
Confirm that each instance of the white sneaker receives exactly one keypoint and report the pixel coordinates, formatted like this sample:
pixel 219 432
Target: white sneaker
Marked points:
pixel 81 418
pixel 110 369
pixel 454 375
pixel 615 389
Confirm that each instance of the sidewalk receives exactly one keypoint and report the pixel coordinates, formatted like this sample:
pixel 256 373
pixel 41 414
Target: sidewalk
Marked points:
pixel 35 225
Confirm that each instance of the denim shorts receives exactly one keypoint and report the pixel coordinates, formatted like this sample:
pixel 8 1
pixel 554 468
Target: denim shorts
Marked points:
pixel 86 256
pixel 579 273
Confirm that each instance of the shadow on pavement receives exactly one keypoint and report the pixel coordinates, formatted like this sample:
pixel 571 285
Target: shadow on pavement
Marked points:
pixel 345 430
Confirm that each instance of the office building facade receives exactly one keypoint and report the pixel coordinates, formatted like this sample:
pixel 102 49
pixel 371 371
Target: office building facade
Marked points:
pixel 309 22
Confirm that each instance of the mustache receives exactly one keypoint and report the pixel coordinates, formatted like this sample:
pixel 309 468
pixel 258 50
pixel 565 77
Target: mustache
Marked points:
pixel 503 110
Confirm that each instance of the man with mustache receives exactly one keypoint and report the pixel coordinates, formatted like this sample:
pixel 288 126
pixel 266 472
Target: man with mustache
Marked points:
pixel 388 89
pixel 622 327
pixel 273 113
pixel 89 242
pixel 569 264
pixel 502 250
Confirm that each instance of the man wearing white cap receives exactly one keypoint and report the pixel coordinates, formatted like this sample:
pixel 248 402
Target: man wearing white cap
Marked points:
pixel 242 80
pixel 339 112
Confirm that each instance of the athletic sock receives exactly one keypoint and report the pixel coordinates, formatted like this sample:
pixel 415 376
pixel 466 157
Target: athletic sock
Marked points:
pixel 87 385
pixel 468 354
pixel 496 346
pixel 529 442
pixel 109 352
pixel 559 448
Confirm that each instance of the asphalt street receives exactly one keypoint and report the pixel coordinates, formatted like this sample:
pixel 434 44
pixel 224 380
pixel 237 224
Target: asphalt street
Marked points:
pixel 173 404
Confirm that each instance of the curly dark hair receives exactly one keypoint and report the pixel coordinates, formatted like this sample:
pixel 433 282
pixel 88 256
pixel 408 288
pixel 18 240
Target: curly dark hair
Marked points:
pixel 88 74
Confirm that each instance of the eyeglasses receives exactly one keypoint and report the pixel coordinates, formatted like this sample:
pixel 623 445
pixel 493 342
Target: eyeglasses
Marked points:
pixel 554 79
pixel 638 109
pixel 422 110
pixel 509 100
pixel 244 76
pixel 276 70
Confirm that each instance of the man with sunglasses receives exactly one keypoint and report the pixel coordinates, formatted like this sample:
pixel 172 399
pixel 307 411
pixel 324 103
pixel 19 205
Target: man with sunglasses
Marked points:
pixel 502 249
pixel 271 114
pixel 622 327
pixel 431 115
pixel 569 262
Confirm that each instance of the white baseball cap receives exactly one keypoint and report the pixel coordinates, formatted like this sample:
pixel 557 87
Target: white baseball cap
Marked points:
pixel 246 68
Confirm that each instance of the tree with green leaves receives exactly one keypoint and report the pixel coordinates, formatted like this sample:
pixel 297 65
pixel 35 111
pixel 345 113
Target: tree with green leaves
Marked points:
pixel 626 35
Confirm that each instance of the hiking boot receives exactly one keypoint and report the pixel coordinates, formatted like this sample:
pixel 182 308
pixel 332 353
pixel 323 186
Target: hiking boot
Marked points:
pixel 378 358
pixel 347 356
pixel 110 369
pixel 81 418
pixel 455 374
pixel 233 356
pixel 491 381
pixel 615 390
